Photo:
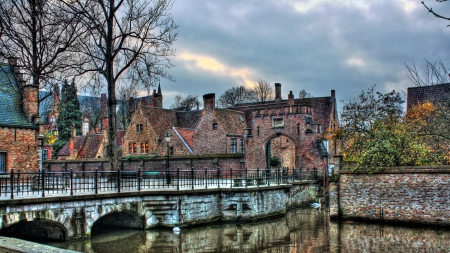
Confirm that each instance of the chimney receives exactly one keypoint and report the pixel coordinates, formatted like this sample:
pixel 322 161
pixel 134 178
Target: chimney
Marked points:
pixel 333 94
pixel 290 98
pixel 30 94
pixel 74 131
pixel 277 92
pixel 104 104
pixel 209 102
pixel 131 104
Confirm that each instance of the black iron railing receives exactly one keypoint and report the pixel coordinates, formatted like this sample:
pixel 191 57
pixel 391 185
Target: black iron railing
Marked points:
pixel 67 183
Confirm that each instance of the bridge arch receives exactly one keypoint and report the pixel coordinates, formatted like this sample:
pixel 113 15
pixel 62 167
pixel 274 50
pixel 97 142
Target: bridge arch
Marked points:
pixel 282 146
pixel 36 229
pixel 120 219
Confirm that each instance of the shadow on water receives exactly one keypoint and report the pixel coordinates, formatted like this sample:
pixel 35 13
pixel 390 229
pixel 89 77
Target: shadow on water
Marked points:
pixel 301 230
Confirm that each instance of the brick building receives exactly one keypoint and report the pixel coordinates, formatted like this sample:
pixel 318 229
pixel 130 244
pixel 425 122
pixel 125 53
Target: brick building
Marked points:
pixel 208 131
pixel 19 118
pixel 430 93
pixel 291 129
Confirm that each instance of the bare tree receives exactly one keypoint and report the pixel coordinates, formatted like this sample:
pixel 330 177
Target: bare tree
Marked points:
pixel 304 94
pixel 91 107
pixel 126 92
pixel 39 35
pixel 435 13
pixel 124 37
pixel 263 91
pixel 435 73
pixel 188 103
pixel 234 96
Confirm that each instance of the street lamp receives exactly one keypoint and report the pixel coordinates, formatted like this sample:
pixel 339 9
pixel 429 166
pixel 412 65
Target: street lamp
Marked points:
pixel 169 178
pixel 40 145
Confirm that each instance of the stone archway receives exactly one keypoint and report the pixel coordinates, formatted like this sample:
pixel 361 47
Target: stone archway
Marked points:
pixel 121 219
pixel 36 229
pixel 281 146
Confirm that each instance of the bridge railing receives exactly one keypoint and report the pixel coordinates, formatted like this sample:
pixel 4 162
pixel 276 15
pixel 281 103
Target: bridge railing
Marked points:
pixel 66 183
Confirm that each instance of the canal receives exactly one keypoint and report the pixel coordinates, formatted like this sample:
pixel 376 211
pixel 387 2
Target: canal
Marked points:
pixel 301 230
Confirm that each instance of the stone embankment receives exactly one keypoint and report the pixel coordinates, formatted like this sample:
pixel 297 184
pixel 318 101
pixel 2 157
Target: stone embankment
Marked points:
pixel 13 245
pixel 407 194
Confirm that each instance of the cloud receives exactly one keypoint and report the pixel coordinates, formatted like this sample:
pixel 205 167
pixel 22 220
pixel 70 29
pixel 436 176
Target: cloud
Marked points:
pixel 316 45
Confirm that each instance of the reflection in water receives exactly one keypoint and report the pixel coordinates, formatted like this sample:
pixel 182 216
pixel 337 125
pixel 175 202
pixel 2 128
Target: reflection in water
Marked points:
pixel 302 230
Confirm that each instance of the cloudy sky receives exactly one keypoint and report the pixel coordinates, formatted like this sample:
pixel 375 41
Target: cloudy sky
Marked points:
pixel 316 45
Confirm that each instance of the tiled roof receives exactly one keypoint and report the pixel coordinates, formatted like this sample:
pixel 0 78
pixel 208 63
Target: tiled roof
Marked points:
pixel 189 119
pixel 161 119
pixel 11 110
pixel 79 141
pixel 91 146
pixel 233 122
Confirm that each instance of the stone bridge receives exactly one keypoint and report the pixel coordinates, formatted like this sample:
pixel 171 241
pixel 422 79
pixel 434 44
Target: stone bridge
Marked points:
pixel 71 217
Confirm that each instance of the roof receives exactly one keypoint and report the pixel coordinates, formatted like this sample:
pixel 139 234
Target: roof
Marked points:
pixel 187 136
pixel 232 122
pixel 161 119
pixel 189 119
pixel 79 141
pixel 11 109
pixel 91 146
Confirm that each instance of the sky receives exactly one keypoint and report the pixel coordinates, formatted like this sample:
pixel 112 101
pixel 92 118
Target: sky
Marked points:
pixel 317 45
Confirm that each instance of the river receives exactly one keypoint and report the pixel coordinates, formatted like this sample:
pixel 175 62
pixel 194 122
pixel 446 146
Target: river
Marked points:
pixel 302 230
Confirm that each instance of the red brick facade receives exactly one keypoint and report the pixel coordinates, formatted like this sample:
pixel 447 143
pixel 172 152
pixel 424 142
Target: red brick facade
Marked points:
pixel 290 129
pixel 431 93
pixel 20 146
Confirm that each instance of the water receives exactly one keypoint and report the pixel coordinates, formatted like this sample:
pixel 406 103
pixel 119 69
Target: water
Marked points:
pixel 303 230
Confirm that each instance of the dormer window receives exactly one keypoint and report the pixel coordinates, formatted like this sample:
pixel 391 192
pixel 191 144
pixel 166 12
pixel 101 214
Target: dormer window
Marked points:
pixel 277 122
pixel 138 128
pixel 215 126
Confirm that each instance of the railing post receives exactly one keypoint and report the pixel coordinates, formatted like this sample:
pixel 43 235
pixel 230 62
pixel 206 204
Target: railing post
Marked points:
pixel 206 177
pixel 218 177
pixel 192 178
pixel 43 182
pixel 11 182
pixel 231 178
pixel 119 175
pixel 268 176
pixel 96 181
pixel 18 182
pixel 139 179
pixel 278 175
pixel 178 178
pixel 71 182
pixel 246 177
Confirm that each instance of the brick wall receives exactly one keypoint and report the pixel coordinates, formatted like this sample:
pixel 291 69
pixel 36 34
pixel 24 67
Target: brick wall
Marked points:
pixel 302 143
pixel 404 195
pixel 20 145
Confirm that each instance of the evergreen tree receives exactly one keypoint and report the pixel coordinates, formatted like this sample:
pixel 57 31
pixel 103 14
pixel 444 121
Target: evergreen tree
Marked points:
pixel 69 115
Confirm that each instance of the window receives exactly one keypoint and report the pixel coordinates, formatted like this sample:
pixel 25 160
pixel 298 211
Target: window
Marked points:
pixel 298 128
pixel 170 151
pixel 319 128
pixel 2 162
pixel 242 146
pixel 44 154
pixel 214 126
pixel 278 122
pixel 142 147
pixel 138 128
pixel 233 145
pixel 147 150
pixel 258 130
pixel 132 148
